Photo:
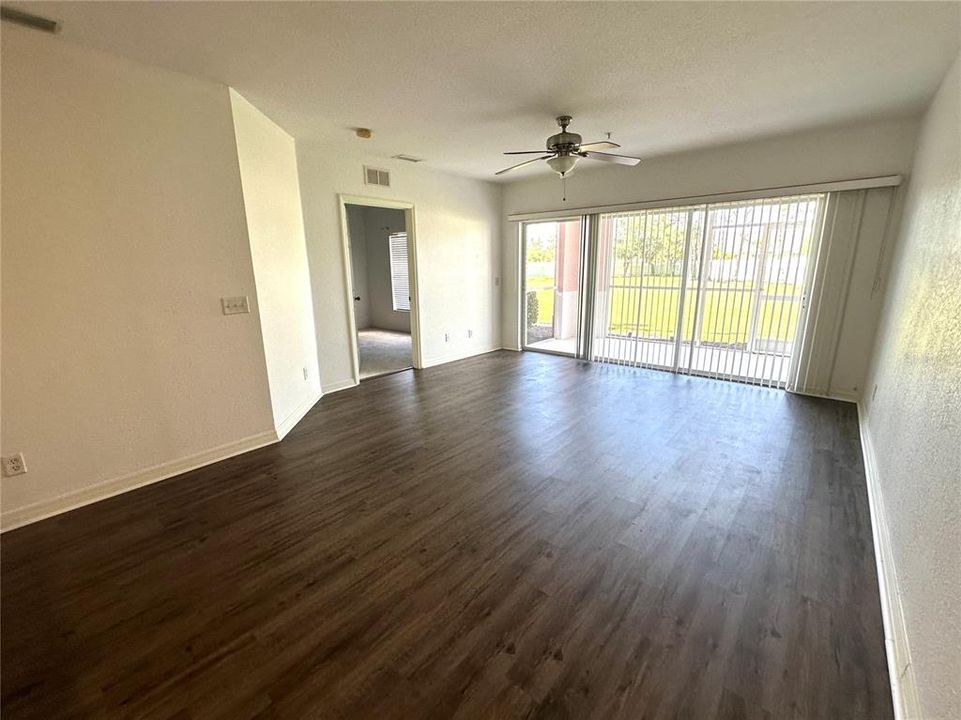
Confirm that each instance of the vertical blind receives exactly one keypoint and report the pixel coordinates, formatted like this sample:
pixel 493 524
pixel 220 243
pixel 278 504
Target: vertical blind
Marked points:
pixel 845 294
pixel 399 275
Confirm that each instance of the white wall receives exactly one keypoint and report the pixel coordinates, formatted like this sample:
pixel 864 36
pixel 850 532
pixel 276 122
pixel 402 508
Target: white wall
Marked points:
pixel 357 230
pixel 379 284
pixel 914 420
pixel 458 254
pixel 123 225
pixel 275 227
pixel 833 154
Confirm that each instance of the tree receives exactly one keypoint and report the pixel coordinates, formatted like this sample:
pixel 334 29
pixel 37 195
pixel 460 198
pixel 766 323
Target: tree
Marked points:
pixel 649 242
pixel 541 249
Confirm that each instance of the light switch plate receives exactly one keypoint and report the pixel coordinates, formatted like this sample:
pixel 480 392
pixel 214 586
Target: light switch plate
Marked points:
pixel 235 305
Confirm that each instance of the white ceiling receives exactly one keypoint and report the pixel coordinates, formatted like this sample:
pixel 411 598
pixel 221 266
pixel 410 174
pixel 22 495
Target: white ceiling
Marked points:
pixel 458 83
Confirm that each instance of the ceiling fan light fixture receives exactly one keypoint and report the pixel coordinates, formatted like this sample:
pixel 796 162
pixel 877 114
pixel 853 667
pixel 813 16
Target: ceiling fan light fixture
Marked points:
pixel 562 164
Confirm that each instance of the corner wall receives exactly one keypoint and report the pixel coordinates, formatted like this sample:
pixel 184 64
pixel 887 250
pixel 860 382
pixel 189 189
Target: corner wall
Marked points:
pixel 123 226
pixel 275 227
pixel 911 418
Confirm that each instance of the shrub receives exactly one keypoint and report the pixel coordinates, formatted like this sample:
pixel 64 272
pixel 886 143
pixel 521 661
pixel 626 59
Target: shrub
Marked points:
pixel 532 308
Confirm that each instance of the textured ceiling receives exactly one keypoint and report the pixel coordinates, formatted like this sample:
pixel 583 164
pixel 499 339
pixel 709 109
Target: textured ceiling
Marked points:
pixel 458 83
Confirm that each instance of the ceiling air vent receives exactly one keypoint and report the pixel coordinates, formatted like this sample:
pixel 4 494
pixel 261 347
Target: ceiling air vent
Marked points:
pixel 408 158
pixel 29 20
pixel 375 176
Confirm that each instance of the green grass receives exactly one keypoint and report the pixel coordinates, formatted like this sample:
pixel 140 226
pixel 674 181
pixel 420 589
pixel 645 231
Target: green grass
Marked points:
pixel 727 315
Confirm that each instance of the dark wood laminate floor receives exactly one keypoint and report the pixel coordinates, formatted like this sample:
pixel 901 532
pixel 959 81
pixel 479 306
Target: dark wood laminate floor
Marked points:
pixel 513 536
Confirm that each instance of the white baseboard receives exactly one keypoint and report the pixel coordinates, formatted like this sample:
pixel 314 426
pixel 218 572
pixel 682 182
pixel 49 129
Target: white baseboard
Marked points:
pixel 843 397
pixel 904 689
pixel 453 357
pixel 101 491
pixel 92 493
pixel 297 415
pixel 338 385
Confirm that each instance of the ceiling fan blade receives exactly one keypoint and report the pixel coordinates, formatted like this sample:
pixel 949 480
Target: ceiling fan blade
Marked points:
pixel 608 157
pixel 602 145
pixel 525 152
pixel 526 162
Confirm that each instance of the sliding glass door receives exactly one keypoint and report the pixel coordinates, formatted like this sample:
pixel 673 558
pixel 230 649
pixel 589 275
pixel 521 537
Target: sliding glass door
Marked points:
pixel 551 285
pixel 713 289
pixel 751 277
pixel 642 271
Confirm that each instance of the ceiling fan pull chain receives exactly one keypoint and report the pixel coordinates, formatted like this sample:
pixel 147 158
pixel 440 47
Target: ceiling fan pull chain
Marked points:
pixel 564 187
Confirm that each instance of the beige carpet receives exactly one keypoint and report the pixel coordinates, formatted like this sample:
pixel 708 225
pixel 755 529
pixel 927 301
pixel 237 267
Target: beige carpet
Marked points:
pixel 382 351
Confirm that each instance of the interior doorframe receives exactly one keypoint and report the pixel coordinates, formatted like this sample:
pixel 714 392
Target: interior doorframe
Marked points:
pixel 412 271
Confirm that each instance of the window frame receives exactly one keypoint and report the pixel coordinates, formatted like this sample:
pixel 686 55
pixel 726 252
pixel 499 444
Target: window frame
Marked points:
pixel 393 275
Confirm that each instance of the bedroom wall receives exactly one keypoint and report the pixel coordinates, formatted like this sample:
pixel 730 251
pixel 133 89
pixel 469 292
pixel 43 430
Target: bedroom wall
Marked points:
pixel 379 285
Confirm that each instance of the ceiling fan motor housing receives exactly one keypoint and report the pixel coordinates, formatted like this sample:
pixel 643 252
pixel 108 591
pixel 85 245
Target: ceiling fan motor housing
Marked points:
pixel 564 142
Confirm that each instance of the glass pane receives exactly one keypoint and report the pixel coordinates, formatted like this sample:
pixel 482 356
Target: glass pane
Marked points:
pixel 729 277
pixel 551 294
pixel 641 260
pixel 755 263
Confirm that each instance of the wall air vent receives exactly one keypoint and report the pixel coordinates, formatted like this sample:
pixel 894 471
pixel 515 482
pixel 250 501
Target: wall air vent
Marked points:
pixel 376 176
pixel 408 158
pixel 29 20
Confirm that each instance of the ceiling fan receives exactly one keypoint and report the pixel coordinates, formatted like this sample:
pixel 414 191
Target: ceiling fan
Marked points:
pixel 565 148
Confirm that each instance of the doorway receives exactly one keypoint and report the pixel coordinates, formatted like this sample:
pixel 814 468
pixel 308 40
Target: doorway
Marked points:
pixel 551 282
pixel 380 273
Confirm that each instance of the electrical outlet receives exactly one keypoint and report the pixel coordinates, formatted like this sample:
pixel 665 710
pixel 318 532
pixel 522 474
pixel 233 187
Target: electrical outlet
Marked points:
pixel 14 465
pixel 235 305
pixel 470 333
pixel 305 373
pixel 446 337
